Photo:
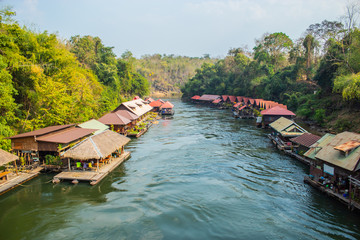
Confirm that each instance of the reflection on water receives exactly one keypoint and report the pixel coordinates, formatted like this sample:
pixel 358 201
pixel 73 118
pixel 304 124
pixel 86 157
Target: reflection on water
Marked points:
pixel 200 175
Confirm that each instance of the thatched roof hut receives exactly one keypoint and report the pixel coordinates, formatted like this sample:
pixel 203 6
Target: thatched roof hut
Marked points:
pixel 97 146
pixel 6 157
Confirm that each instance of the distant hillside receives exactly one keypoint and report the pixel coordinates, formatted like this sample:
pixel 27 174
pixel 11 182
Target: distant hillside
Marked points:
pixel 168 73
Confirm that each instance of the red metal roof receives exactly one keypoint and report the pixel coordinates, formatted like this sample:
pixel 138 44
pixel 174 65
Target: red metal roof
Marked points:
pixel 224 97
pixel 245 100
pixel 156 103
pixel 114 118
pixel 258 101
pixel 242 107
pixel 196 97
pixel 149 99
pixel 237 105
pixel 217 100
pixel 136 97
pixel 160 100
pixel 277 110
pixel 239 99
pixel 167 104
pixel 232 99
pixel 208 97
pixel 42 131
pixel 306 139
pixel 252 101
pixel 66 136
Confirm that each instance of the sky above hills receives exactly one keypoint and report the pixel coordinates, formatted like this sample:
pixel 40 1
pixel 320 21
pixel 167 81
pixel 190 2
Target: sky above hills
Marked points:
pixel 181 27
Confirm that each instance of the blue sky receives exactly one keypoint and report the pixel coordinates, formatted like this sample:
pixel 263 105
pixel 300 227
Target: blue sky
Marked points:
pixel 180 27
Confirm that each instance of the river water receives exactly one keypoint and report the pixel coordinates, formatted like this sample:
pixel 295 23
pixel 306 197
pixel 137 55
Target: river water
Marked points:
pixel 200 175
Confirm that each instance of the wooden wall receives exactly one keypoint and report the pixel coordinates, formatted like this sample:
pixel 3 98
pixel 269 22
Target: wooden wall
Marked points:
pixel 26 143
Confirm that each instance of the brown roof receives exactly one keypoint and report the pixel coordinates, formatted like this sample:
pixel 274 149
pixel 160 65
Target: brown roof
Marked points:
pixel 224 97
pixel 66 136
pixel 6 157
pixel 307 139
pixel 208 97
pixel 114 118
pixel 345 147
pixel 127 114
pixel 232 98
pixel 42 131
pixel 98 146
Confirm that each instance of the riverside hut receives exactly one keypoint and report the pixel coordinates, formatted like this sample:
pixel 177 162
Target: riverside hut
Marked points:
pixel 11 176
pixel 100 154
pixel 6 158
pixel 302 143
pixel 208 99
pixel 283 130
pixel 156 105
pixel 138 107
pixel 116 122
pixel 167 109
pixel 336 168
pixel 195 99
pixel 272 114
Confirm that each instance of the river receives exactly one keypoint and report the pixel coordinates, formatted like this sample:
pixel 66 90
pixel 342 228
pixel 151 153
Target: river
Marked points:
pixel 200 175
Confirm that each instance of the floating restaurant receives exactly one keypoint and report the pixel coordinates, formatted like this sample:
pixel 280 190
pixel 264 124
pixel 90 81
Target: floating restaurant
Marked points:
pixel 94 158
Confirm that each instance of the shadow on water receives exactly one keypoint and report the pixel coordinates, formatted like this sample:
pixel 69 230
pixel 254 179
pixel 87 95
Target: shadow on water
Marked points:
pixel 200 175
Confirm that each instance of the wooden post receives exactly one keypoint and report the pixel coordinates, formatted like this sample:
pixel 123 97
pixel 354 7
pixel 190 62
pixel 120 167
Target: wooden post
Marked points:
pixel 97 166
pixel 16 169
pixel 69 164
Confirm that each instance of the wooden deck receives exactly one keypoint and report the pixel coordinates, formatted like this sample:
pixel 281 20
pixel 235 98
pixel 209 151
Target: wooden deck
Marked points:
pixel 351 204
pixel 93 177
pixel 15 180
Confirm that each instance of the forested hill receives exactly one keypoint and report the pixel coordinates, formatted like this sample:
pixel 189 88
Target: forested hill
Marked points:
pixel 45 81
pixel 168 73
pixel 317 75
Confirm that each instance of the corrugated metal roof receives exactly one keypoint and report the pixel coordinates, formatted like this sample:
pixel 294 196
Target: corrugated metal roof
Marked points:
pixel 315 148
pixel 345 147
pixel 252 101
pixel 127 114
pixel 278 111
pixel 94 124
pixel 42 131
pixel 114 118
pixel 156 103
pixel 306 139
pixel 239 99
pixel 335 157
pixel 133 106
pixel 287 128
pixel 237 105
pixel 242 107
pixel 224 97
pixel 196 97
pixel 167 104
pixel 66 136
pixel 216 101
pixel 6 157
pixel 208 97
pixel 232 99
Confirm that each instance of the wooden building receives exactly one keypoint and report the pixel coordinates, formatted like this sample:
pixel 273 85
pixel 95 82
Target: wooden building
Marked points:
pixel 138 107
pixel 335 167
pixel 208 99
pixel 302 143
pixel 116 122
pixel 156 105
pixel 272 114
pixel 167 109
pixel 96 156
pixel 283 130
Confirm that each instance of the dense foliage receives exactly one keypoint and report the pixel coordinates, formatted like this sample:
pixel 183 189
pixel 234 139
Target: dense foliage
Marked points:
pixel 316 76
pixel 167 73
pixel 44 81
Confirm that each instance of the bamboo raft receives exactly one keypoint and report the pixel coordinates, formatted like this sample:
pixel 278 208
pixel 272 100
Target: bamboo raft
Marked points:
pixel 18 180
pixel 93 177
